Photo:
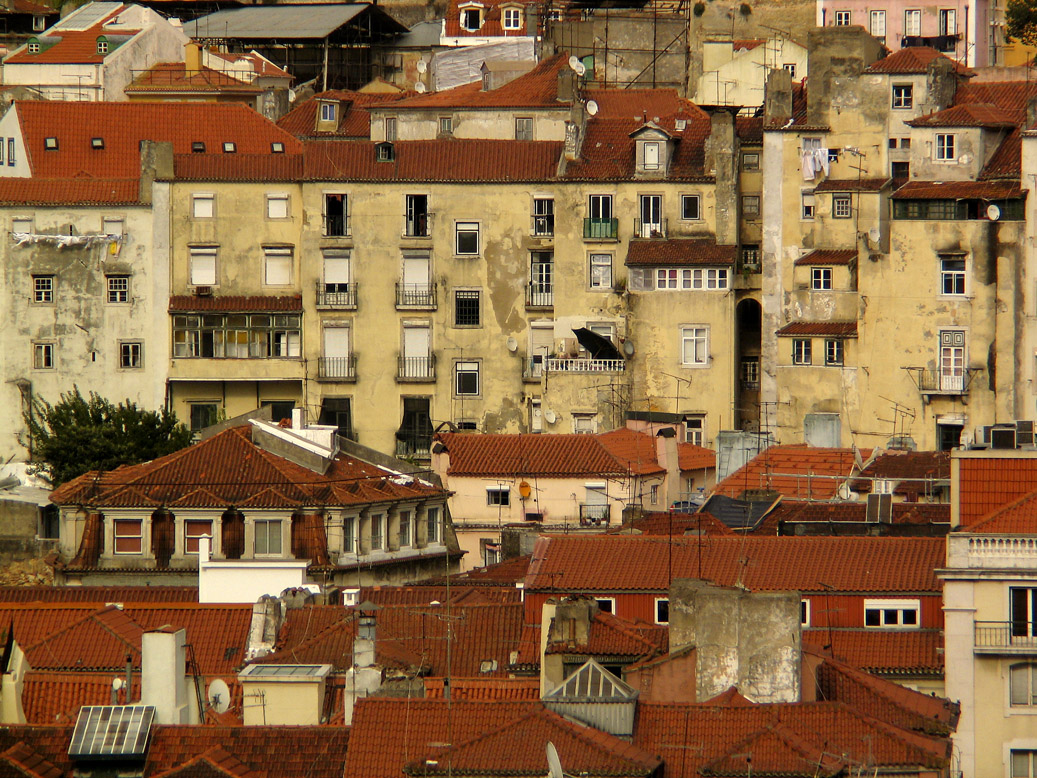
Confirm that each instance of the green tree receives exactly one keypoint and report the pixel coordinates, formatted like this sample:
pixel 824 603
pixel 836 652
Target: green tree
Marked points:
pixel 78 434
pixel 1021 17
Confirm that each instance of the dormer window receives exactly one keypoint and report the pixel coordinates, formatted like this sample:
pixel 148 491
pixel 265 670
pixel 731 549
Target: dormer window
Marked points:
pixel 651 158
pixel 39 23
pixel 384 152
pixel 654 148
pixel 471 18
pixel 328 112
pixel 97 143
pixel 102 45
pixel 34 46
pixel 511 19
pixel 50 144
pixel 198 147
pixel 277 147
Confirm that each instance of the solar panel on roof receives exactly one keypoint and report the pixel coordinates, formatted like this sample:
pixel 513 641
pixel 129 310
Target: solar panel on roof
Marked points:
pixel 111 732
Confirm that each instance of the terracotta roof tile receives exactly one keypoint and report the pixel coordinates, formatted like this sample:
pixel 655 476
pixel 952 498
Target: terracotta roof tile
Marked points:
pixel 828 257
pixel 617 563
pixel 967 115
pixel 795 471
pixel 747 44
pixel 915 471
pixel 903 512
pixel 491 26
pixel 635 451
pixel 98 595
pixel 692 457
pixel 831 329
pixel 989 483
pixel 102 640
pixel 64 46
pixel 63 191
pixel 238 167
pixel 28 762
pixel 218 633
pixel 674 523
pixel 903 652
pixel 613 637
pixel 1015 518
pixel 487 689
pixel 354 118
pixel 958 190
pixel 541 455
pixel 750 129
pixel 187 303
pixel 214 763
pixel 463 590
pixel 536 89
pixel 503 574
pixel 851 185
pixel 913 59
pixel 174 77
pixel 680 252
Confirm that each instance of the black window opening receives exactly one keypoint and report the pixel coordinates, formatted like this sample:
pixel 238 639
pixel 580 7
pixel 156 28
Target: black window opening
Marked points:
pixel 338 412
pixel 415 433
pixel 417 216
pixel 279 409
pixel 958 210
pixel 202 415
pixel 335 215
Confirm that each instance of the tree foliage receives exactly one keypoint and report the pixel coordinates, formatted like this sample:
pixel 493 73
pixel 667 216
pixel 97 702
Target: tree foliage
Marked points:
pixel 78 434
pixel 1021 18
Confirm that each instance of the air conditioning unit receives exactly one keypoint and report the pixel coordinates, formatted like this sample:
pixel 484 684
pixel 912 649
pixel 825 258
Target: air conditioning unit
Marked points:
pixel 203 291
pixel 981 439
pixel 880 509
pixel 1024 434
pixel 1002 437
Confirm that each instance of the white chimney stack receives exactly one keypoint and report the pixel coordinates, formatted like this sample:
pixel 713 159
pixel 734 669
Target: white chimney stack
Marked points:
pixel 164 675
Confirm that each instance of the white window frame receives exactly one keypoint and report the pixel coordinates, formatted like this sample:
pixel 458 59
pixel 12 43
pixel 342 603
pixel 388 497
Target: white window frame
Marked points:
pixel 877 24
pixel 600 266
pixel 691 198
pixel 117 536
pixel 808 206
pixel 277 206
pixel 584 423
pixel 131 355
pixel 268 523
pixel 277 266
pixel 821 279
pixel 790 68
pixel 694 333
pixel 203 267
pixel 498 496
pixel 117 289
pixel 842 18
pixel 695 428
pixel 749 210
pixel 842 206
pixel 511 19
pixel 651 161
pixel 902 96
pixel 667 278
pixel 466 228
pixel 883 607
pixel 912 22
pixel 44 356
pixel 465 369
pixel 43 289
pixel 606 604
pixel 754 164
pixel 113 226
pixel 835 352
pixel 804 612
pixel 655 610
pixel 523 128
pixel 955 276
pixel 478 9
pixel 328 111
pixel 191 539
pixel 802 351
pixel 203 205
pixel 945 146
pixel 1027 671
pixel 710 278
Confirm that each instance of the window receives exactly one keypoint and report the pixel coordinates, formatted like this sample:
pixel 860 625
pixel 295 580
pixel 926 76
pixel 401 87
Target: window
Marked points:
pixel 337 412
pixel 240 336
pixel 1023 684
pixel 10 152
pixel 790 68
pixel 900 171
pixel 583 423
pixel 446 125
pixel 277 265
pixel 102 46
pixel 751 374
pixel 329 112
pixel 690 210
pixel 821 279
pixel 202 205
pixel 842 18
pixel 653 494
pixel 491 553
pixel 34 47
pixel 833 352
pixel 390 129
pixel 952 275
pixel 203 265
pixel 112 226
pixel 432 525
pixel 694 346
pixel 606 604
pixel 268 536
pixel 599 223
pixel 877 24
pixel 467 238
pixel 43 289
pixel 601 271
pixel 801 351
pixel 277 147
pixel 417 217
pixel 336 214
pixel 841 207
pixel 131 355
pixel 230 147
pixel 912 22
pixel 203 415
pixel 471 19
pixel 50 144
pixel 948 22
pixel 43 356
pixel 541 279
pixel 197 147
pixel 807 205
pixel 405 528
pixel 499 496
pixel 512 20
pixel 523 127
pixel 903 95
pixel 127 537
pixel 707 278
pixel 945 147
pixel 662 610
pixel 118 289
pixel 1024 763
pixel 466 378
pixel 695 429
pixel 349 538
pixel 651 224
pixel 543 216
pixel 384 152
pixel 751 255
pixel 666 278
pixel 193 530
pixel 751 206
pixel 751 161
pixel 650 155
pixel 377 532
pixel 891 613
pixel 804 613
pixel 952 360
pixel 466 307
pixel 1023 604
pixel 277 206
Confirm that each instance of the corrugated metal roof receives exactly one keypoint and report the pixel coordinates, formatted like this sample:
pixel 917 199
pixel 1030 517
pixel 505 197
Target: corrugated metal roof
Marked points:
pixel 296 22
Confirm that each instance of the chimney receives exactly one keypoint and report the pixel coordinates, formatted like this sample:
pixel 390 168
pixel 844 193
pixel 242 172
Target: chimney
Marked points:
pixel 366 631
pixel 364 678
pixel 566 623
pixel 722 160
pixel 669 459
pixel 164 675
pixel 777 100
pixel 566 85
pixel 192 57
pixel 156 164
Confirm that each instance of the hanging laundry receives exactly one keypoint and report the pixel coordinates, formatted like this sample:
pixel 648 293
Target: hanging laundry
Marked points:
pixel 809 169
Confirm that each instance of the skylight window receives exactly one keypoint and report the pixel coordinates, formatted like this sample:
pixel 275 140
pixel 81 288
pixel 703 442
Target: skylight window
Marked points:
pixel 97 143
pixel 230 147
pixel 198 147
pixel 277 147
pixel 50 144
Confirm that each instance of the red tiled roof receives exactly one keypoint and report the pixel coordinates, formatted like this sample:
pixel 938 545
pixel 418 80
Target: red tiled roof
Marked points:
pixel 851 185
pixel 124 125
pixel 793 471
pixel 98 595
pixel 238 167
pixel 635 451
pixel 828 257
pixel 505 574
pixel 679 251
pixel 186 303
pixel 536 89
pixel 1015 518
pixel 487 689
pixel 830 329
pixel 888 652
pixel 64 46
pixel 1011 97
pixel 214 763
pixel 967 115
pixel 174 77
pixel 750 129
pixel 491 25
pixel 102 640
pixel 465 591
pixel 28 763
pixel 692 457
pixel 228 469
pixel 451 159
pixel 913 59
pixel 747 44
pixel 63 191
pixel 613 637
pixel 615 563
pixel 674 523
pixel 541 455
pixel 986 484
pixel 915 471
pixel 958 190
pixel 903 512
pixel 354 118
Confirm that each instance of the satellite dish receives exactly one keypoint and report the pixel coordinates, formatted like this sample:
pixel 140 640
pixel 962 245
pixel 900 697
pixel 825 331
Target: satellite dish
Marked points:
pixel 218 695
pixel 554 764
pixel 628 348
pixel 118 683
pixel 551 416
pixel 422 66
pixel 993 212
pixel 420 88
pixel 512 345
pixel 592 108
pixel 874 234
pixel 573 62
pixel 580 68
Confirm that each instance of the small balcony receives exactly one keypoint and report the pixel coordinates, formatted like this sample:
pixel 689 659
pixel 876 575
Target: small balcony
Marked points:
pixel 341 369
pixel 336 226
pixel 540 296
pixel 416 369
pixel 594 515
pixel 339 296
pixel 543 225
pixel 584 365
pixel 533 368
pixel 947 383
pixel 601 229
pixel 415 295
pixel 1006 637
pixel 650 229
pixel 417 225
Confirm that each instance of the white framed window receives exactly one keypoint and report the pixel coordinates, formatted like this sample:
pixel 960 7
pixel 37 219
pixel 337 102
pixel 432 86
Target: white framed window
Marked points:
pixel 43 289
pixel 1023 763
pixel 268 537
pixel 750 373
pixel 903 95
pixel 390 129
pixel 952 275
pixel 194 529
pixel 821 279
pixel 691 207
pixel 695 428
pixel 606 604
pixel 801 351
pixel 203 205
pixel 584 423
pixel 667 278
pixel 329 112
pixel 34 47
pixel 751 161
pixel 499 495
pixel 22 224
pixel 102 45
pixel 842 207
pixel 650 151
pixel 913 22
pixel 948 21
pixel 653 494
pixel 807 206
pixel 842 18
pixel 432 525
pixel 523 127
pixel 543 216
pixel 601 271
pixel 349 535
pixel 471 19
pixel 662 610
pixel 112 225
pixel 834 352
pixel 277 265
pixel 43 356
pixel 877 24
pixel 1022 685
pixel 694 345
pixel 466 378
pixel 131 354
pixel 891 613
pixel 39 23
pixel 952 360
pixel 512 19
pixel 790 68
pixel 804 613
pixel 203 265
pixel 466 241
pixel 118 288
pixel 378 532
pixel 127 537
pixel 277 206
pixel 446 125
pixel 945 147
pixel 751 206
pixel 709 278
pixel 490 552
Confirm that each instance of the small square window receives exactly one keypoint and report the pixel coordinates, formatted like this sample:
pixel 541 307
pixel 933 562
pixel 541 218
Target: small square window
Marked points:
pixel 127 536
pixel 466 376
pixel 118 289
pixel 384 152
pixel 500 496
pixel 952 276
pixel 841 206
pixel 807 207
pixel 328 112
pixel 277 206
pixel 112 226
pixel 601 271
pixel 131 355
pixel 583 423
pixel 446 125
pixel 50 144
pixel 97 143
pixel 43 356
pixel 202 205
pixel 523 128
pixel 512 19
pixel 842 18
pixel 903 95
pixel 467 242
pixel 801 351
pixel 34 47
pixel 466 307
pixel 821 279
pixel 277 147
pixel 203 415
pixel 197 147
pixel 751 161
pixel 471 19
pixel 229 147
pixel 790 68
pixel 277 266
pixel 695 429
pixel 102 46
pixel 662 611
pixel 751 206
pixel 833 352
pixel 203 266
pixel 690 207
pixel 900 171
pixel 43 289
pixel 945 147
